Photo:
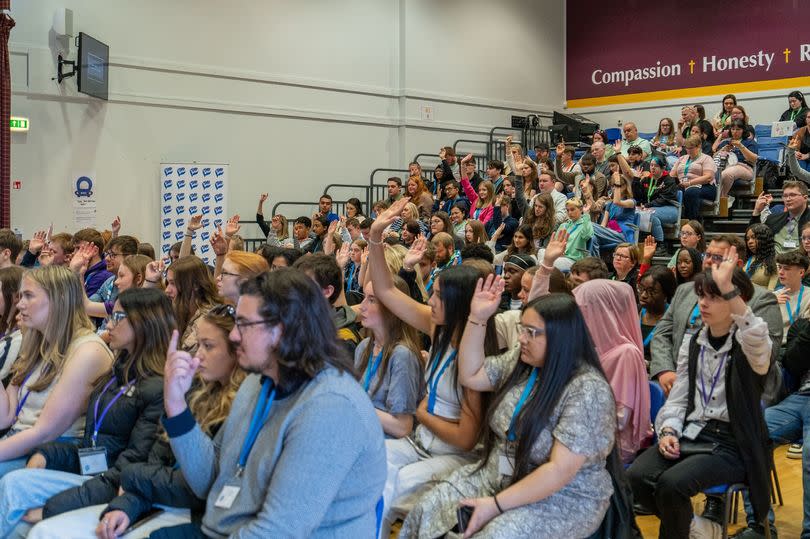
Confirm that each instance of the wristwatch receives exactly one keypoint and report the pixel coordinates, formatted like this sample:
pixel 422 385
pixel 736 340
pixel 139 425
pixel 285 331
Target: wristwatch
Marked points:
pixel 728 296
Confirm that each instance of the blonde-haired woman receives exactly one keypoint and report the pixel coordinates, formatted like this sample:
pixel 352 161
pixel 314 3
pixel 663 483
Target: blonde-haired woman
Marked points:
pixel 60 359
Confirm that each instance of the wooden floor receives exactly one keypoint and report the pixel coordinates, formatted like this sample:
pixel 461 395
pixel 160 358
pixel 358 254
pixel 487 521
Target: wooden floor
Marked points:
pixel 788 517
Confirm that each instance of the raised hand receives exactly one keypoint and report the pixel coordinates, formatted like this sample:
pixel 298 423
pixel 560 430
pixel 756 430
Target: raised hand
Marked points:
pixel 390 215
pixel 649 248
pixel 795 143
pixel 80 261
pixel 154 271
pixel 36 244
pixel 763 200
pixel 195 223
pixel 560 148
pixel 116 226
pixel 723 272
pixel 486 298
pixel 556 247
pixel 218 242
pixel 178 377
pixel 498 231
pixel 343 255
pixel 467 158
pixel 617 145
pixel 263 198
pixel 332 227
pixel 442 154
pixel 416 252
pixel 232 226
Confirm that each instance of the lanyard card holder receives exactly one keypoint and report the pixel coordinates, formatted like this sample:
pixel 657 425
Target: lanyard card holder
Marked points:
pixel 92 460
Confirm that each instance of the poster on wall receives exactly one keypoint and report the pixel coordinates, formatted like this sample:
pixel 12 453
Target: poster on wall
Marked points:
pixel 648 51
pixel 84 200
pixel 189 189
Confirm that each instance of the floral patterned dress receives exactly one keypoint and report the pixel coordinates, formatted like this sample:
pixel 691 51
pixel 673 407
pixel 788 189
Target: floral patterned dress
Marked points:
pixel 584 420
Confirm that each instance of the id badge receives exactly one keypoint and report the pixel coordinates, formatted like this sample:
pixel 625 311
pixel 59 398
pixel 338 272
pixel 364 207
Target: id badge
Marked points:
pixel 790 244
pixel 92 460
pixel 227 496
pixel 506 464
pixel 693 429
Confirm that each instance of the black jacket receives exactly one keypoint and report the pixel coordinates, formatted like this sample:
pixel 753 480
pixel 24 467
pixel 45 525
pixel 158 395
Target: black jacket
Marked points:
pixel 665 194
pixel 796 359
pixel 127 432
pixel 776 221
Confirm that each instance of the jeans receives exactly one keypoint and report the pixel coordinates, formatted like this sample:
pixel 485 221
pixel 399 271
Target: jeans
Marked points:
pixel 805 164
pixel 788 422
pixel 667 486
pixel 663 215
pixel 28 488
pixel 692 198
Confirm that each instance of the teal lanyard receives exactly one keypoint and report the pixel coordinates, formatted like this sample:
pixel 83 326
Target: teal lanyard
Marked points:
pixel 371 370
pixel 510 434
pixel 791 314
pixel 435 376
pixel 695 314
pixel 456 258
pixel 351 278
pixel 260 414
pixel 649 337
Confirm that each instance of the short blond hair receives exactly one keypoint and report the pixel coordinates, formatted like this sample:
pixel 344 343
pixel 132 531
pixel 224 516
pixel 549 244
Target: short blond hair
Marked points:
pixel 694 141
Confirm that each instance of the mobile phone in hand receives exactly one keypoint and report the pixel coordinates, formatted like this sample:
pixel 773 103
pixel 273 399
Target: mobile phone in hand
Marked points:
pixel 464 513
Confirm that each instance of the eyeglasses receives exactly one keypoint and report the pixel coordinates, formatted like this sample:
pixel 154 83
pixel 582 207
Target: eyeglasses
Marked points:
pixel 687 234
pixel 242 324
pixel 805 238
pixel 621 256
pixel 789 196
pixel 111 254
pixel 530 331
pixel 646 290
pixel 223 272
pixel 715 258
pixel 115 317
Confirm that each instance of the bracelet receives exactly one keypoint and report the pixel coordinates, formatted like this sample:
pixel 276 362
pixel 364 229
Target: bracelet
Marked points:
pixel 187 235
pixel 372 242
pixel 150 281
pixel 473 322
pixel 666 431
pixel 495 497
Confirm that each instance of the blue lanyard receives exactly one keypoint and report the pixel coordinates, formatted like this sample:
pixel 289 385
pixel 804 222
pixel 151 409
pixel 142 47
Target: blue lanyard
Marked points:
pixel 260 415
pixel 748 266
pixel 477 212
pixel 99 419
pixel 510 434
pixel 351 278
pixel 434 377
pixel 706 397
pixel 649 337
pixel 573 228
pixel 371 370
pixel 793 315
pixel 21 399
pixel 456 258
pixel 695 313
pixel 498 183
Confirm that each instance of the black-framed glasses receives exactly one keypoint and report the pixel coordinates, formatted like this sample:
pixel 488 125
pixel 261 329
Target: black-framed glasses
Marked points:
pixel 111 254
pixel 115 317
pixel 242 324
pixel 530 331
pixel 716 258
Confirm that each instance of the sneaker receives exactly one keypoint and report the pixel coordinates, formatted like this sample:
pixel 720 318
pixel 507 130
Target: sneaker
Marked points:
pixel 703 528
pixel 714 509
pixel 794 451
pixel 755 532
pixel 731 200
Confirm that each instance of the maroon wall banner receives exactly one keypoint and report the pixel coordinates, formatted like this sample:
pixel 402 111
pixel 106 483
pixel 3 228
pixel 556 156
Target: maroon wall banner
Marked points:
pixel 644 51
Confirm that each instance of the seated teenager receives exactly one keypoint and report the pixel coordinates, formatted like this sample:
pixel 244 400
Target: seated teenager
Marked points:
pixel 60 359
pixel 580 232
pixel 482 201
pixel 734 351
pixel 131 274
pixel 541 218
pixel 192 290
pixel 688 263
pixel 503 225
pixel 449 416
pixel 546 438
pixel 10 248
pixel 655 290
pixel 792 295
pixel 389 364
pixel 420 196
pixel 786 225
pixel 158 481
pixel 760 256
pixel 797 109
pixel 10 333
pixel 587 269
pixel 96 272
pixel 237 268
pixel 120 427
pixel 691 236
pixel 744 150
pixel 609 309
pixel 522 243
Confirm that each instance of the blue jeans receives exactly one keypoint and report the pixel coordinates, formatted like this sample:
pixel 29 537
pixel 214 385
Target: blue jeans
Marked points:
pixel 788 422
pixel 692 198
pixel 805 164
pixel 663 215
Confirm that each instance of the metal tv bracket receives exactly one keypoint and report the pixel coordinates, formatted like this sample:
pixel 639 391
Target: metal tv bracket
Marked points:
pixel 60 75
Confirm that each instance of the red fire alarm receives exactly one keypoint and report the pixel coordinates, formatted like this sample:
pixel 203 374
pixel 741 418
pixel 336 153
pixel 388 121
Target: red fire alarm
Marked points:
pixel 17 184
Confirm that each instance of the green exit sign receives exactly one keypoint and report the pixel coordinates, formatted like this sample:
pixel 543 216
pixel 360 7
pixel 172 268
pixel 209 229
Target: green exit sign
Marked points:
pixel 19 124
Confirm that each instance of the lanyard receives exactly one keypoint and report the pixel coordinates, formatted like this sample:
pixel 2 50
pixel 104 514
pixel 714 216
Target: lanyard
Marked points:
pixel 260 415
pixel 706 397
pixel 788 228
pixel 793 114
pixel 371 370
pixel 20 398
pixel 793 315
pixel 573 228
pixel 510 434
pixel 456 258
pixel 651 188
pixel 351 278
pixel 498 183
pixel 649 337
pixel 695 313
pixel 434 377
pixel 99 419
pixel 686 168
pixel 476 213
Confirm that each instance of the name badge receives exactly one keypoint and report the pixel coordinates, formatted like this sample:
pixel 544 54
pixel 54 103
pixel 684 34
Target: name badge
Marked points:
pixel 790 244
pixel 227 496
pixel 93 460
pixel 506 465
pixel 693 429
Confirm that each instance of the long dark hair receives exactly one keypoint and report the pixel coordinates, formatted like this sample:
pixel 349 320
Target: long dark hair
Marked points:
pixel 195 289
pixel 800 96
pixel 766 251
pixel 528 233
pixel 697 264
pixel 568 348
pixel 10 279
pixel 308 340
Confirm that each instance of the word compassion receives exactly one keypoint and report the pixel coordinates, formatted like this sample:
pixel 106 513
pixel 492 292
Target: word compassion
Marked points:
pixel 708 64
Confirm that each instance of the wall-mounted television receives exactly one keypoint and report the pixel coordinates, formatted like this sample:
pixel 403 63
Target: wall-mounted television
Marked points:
pixel 94 62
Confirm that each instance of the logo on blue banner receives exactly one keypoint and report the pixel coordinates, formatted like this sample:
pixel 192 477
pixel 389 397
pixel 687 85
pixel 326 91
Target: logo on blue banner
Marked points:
pixel 167 184
pixel 218 210
pixel 179 236
pixel 181 184
pixel 218 197
pixel 180 196
pixel 206 171
pixel 167 210
pixel 193 171
pixel 167 235
pixel 219 184
pixel 192 210
pixel 205 210
pixel 206 197
pixel 167 222
pixel 181 171
pixel 206 222
pixel 179 222
pixel 165 248
pixel 168 171
pixel 205 236
pixel 205 248
pixel 180 210
pixel 193 184
pixel 219 171
pixel 167 197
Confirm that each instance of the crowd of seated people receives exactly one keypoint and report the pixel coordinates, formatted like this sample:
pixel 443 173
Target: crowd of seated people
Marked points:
pixel 472 355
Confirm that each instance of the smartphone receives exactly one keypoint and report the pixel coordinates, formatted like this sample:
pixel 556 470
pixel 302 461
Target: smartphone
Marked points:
pixel 463 513
pixel 146 517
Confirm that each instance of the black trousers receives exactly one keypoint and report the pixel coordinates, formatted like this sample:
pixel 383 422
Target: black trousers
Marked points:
pixel 183 531
pixel 667 486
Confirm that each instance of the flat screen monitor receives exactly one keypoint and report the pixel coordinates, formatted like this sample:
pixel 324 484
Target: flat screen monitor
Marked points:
pixel 94 63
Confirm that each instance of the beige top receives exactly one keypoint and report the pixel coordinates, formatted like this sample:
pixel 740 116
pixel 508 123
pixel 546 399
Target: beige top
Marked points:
pixel 36 400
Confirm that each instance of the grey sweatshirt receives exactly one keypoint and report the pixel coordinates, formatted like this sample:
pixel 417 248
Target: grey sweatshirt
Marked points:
pixel 317 468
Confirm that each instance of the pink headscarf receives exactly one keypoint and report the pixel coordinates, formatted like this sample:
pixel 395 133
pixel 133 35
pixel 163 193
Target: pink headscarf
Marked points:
pixel 609 309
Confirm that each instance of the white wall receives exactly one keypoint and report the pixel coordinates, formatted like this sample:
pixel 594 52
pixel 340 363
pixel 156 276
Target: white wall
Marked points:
pixel 292 95
pixel 762 108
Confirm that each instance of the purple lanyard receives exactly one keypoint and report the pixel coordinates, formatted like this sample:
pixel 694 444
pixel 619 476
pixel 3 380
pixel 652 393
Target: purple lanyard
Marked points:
pixel 707 397
pixel 99 420
pixel 20 398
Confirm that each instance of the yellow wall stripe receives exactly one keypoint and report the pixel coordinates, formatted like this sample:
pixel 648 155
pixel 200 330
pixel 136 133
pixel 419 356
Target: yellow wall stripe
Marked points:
pixel 754 86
